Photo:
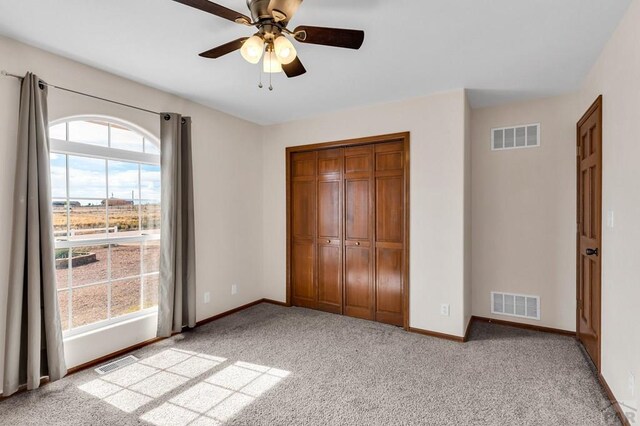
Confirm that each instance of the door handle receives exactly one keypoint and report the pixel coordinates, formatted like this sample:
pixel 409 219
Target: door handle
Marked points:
pixel 592 252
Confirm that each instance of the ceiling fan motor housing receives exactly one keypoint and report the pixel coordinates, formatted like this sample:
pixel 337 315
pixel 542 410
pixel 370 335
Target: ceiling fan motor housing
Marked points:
pixel 259 9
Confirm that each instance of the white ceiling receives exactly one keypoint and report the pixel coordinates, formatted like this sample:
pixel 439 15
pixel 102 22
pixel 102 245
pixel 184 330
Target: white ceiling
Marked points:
pixel 502 50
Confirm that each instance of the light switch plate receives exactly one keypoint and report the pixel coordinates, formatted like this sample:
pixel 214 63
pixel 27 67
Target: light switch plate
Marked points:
pixel 207 297
pixel 234 289
pixel 610 219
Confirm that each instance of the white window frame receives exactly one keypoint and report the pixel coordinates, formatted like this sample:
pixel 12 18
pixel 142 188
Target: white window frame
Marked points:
pixel 65 147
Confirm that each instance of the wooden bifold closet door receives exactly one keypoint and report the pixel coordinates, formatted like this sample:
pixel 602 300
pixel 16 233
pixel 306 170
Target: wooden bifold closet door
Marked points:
pixel 348 230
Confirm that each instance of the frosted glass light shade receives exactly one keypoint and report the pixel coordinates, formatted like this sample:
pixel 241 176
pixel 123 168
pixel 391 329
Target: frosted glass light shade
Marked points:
pixel 285 51
pixel 252 49
pixel 271 64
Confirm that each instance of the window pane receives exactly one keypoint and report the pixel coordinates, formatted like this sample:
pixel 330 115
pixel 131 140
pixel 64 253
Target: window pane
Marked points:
pixel 89 305
pixel 150 147
pixel 124 196
pixel 125 260
pixel 122 138
pixel 63 304
pixel 150 194
pixel 151 257
pixel 123 218
pixel 125 297
pixel 58 164
pixel 89 265
pixel 150 182
pixel 62 268
pixel 123 181
pixel 150 291
pixel 91 132
pixel 60 230
pixel 151 216
pixel 88 218
pixel 59 131
pixel 87 177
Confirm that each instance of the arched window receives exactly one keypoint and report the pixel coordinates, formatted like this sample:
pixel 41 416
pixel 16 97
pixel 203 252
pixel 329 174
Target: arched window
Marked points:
pixel 105 184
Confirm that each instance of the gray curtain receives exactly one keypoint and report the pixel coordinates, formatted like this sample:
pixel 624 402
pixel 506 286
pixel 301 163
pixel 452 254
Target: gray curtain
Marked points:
pixel 33 340
pixel 177 292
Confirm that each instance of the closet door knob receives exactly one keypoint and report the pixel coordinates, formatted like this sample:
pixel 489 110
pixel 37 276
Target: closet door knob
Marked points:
pixel 358 243
pixel 328 241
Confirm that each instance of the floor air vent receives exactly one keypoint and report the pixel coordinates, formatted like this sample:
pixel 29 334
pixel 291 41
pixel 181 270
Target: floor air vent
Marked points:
pixel 118 363
pixel 515 305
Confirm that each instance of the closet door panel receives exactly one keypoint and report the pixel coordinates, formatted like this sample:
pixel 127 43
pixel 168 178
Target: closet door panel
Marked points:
pixel 303 229
pixel 304 204
pixel 389 286
pixel 302 274
pixel 358 295
pixel 359 230
pixel 389 238
pixel 329 209
pixel 389 209
pixel 329 248
pixel 330 278
pixel 358 214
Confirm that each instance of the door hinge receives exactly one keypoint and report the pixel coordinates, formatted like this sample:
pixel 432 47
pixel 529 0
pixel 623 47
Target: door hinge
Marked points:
pixel 580 305
pixel 579 151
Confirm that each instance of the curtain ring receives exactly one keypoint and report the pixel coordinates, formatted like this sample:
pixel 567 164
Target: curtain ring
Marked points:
pixel 167 117
pixel 184 121
pixel 40 84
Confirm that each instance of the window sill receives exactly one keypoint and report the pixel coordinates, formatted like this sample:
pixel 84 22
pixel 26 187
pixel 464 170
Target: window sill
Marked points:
pixel 96 343
pixel 108 324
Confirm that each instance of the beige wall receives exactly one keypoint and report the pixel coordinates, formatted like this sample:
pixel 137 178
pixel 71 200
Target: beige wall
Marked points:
pixel 437 131
pixel 523 209
pixel 468 308
pixel 227 203
pixel 616 76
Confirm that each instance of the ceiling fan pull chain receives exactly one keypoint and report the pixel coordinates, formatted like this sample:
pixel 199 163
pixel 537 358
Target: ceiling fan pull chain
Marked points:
pixel 270 70
pixel 260 83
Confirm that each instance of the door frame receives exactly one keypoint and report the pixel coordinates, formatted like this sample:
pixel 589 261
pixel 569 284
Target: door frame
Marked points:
pixel 597 105
pixel 403 137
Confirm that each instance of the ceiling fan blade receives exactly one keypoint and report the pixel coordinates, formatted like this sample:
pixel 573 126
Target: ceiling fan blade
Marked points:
pixel 217 10
pixel 219 51
pixel 294 69
pixel 337 37
pixel 286 7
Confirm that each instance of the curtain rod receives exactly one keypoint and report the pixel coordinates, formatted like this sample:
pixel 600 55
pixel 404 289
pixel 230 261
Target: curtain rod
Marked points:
pixel 6 74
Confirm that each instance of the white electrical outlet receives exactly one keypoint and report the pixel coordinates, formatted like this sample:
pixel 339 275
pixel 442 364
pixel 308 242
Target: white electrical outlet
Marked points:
pixel 234 289
pixel 610 219
pixel 632 384
pixel 207 297
pixel 444 310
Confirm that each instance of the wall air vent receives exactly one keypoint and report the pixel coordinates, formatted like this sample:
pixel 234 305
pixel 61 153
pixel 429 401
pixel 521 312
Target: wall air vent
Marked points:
pixel 515 305
pixel 117 364
pixel 527 136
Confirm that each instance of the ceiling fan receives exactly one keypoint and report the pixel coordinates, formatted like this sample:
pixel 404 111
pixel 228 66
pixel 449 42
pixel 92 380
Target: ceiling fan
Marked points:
pixel 270 43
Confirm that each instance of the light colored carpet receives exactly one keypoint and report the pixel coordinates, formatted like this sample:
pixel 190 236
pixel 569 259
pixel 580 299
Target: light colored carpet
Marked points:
pixel 270 365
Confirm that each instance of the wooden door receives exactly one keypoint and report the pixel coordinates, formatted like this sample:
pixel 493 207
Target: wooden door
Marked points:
pixel 389 232
pixel 358 234
pixel 303 229
pixel 589 235
pixel 329 240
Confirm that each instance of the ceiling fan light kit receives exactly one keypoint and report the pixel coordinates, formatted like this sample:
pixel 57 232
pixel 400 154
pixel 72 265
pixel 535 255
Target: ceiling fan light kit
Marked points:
pixel 271 18
pixel 252 49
